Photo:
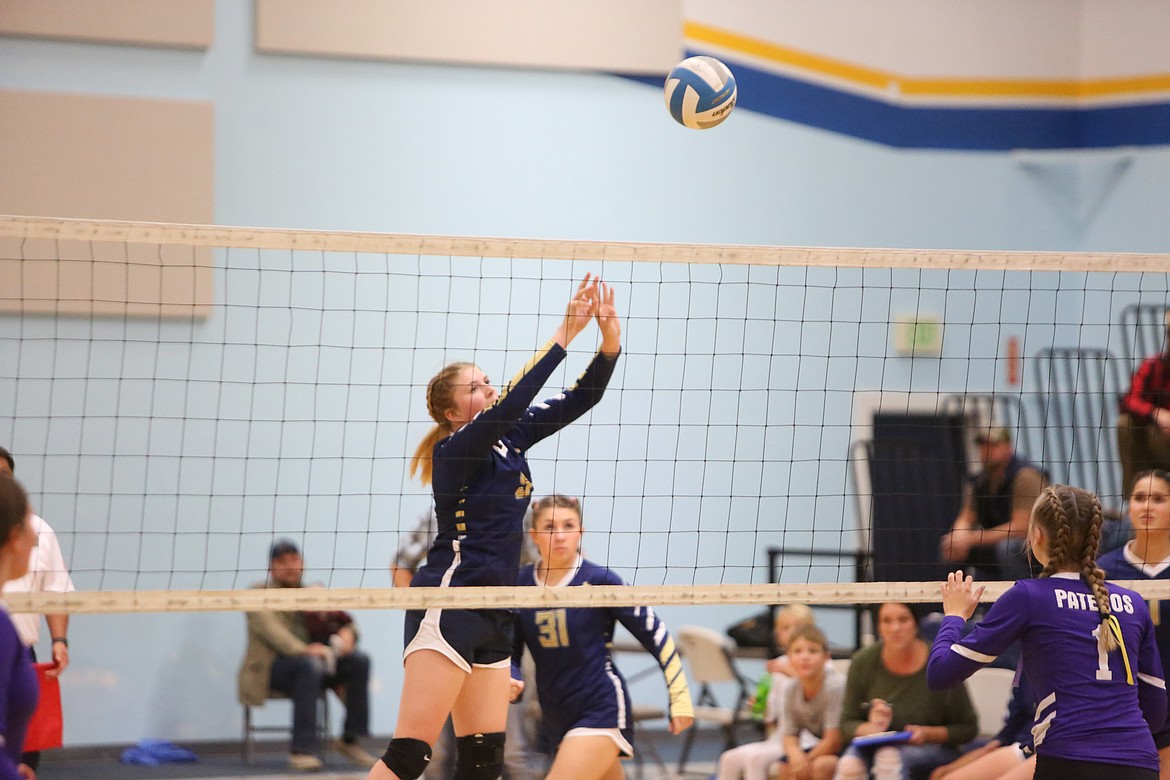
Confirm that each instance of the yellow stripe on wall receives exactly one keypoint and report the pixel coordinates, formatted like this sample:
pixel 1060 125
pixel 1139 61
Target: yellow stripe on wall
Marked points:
pixel 887 82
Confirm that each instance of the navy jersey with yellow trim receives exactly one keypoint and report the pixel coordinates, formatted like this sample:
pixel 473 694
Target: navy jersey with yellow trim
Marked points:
pixel 576 679
pixel 1121 564
pixel 480 476
pixel 1091 706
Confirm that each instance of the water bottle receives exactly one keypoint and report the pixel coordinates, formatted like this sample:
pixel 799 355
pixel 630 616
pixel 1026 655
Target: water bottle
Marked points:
pixel 763 688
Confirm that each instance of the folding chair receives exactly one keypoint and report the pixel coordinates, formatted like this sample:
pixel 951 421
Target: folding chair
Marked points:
pixel 708 653
pixel 645 743
pixel 251 730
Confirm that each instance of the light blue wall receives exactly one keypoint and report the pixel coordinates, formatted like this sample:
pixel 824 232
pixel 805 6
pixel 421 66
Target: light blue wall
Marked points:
pixel 453 150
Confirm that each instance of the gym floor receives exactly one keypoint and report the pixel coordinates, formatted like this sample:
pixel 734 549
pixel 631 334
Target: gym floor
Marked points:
pixel 223 761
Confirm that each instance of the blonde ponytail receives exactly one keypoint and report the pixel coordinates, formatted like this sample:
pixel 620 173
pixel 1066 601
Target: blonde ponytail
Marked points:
pixel 440 398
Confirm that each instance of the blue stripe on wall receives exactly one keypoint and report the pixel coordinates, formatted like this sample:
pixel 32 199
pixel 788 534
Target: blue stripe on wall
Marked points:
pixel 916 127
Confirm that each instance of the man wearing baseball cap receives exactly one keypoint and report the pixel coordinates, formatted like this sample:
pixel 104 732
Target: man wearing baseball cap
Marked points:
pixel 300 654
pixel 989 533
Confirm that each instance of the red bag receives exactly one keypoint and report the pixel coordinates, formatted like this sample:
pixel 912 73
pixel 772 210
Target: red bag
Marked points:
pixel 45 726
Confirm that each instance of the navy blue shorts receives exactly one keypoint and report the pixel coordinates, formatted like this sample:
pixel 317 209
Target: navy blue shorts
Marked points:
pixel 469 637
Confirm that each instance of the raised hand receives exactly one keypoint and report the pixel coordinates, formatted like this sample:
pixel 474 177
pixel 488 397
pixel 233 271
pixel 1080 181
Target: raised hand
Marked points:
pixel 581 310
pixel 960 595
pixel 607 320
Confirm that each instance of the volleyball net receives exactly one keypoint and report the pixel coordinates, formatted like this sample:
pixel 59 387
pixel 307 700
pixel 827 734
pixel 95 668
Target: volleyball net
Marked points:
pixel 785 424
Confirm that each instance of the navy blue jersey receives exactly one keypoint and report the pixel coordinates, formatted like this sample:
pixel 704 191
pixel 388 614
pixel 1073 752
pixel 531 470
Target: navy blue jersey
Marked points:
pixel 1090 705
pixel 480 476
pixel 1121 564
pixel 576 680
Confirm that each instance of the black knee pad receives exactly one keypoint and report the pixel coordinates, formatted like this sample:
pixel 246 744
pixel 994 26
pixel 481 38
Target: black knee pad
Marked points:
pixel 479 756
pixel 407 758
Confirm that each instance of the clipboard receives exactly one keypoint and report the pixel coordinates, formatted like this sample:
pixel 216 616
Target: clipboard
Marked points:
pixel 882 738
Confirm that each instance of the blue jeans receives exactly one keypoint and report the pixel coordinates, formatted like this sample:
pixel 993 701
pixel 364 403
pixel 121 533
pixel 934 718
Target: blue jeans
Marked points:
pixel 302 678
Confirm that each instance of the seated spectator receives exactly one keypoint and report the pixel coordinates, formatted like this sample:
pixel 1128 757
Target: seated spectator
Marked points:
pixel 753 759
pixel 811 704
pixel 886 691
pixel 1143 420
pixel 301 654
pixel 987 537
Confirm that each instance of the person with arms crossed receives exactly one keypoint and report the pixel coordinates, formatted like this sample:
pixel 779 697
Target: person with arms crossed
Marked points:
pixel 457 660
pixel 301 654
pixel 988 534
pixel 1147 557
pixel 46 573
pixel 588 715
pixel 19 690
pixel 1087 648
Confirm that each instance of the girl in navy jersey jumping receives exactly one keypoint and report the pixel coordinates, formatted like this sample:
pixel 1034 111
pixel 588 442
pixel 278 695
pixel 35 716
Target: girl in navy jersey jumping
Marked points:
pixel 585 704
pixel 1147 557
pixel 1087 648
pixel 457 661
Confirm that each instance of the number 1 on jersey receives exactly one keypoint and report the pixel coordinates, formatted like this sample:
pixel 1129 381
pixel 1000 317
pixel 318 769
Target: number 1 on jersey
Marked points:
pixel 1103 672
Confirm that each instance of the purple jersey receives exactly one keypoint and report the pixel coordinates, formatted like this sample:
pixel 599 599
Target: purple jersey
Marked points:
pixel 1088 710
pixel 19 691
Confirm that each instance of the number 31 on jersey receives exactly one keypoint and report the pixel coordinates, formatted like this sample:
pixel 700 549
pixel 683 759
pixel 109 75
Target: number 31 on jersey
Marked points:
pixel 553 625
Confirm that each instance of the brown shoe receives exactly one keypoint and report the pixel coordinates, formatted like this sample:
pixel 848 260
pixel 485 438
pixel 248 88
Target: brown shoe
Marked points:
pixel 356 755
pixel 304 762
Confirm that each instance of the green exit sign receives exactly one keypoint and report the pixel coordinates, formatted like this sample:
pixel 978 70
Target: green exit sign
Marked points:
pixel 919 335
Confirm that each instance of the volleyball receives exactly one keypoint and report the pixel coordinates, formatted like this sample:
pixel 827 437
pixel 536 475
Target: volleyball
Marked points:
pixel 700 92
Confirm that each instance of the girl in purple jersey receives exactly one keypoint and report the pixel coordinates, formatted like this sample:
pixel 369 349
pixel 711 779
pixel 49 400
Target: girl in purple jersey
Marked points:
pixel 18 681
pixel 457 662
pixel 1147 556
pixel 1087 648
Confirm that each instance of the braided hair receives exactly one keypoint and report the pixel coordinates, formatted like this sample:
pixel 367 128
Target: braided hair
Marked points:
pixel 440 399
pixel 1072 518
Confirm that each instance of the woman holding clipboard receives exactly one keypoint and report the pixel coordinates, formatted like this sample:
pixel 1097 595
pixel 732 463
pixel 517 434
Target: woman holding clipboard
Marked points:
pixel 886 692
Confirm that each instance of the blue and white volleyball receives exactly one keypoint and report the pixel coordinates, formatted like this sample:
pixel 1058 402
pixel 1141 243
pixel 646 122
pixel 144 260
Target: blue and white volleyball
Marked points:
pixel 700 92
